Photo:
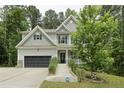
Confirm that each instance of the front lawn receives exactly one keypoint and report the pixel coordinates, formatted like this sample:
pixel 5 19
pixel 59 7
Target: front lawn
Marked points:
pixel 111 81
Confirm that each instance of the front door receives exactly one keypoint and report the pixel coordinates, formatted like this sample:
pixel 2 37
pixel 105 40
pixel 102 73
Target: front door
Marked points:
pixel 62 57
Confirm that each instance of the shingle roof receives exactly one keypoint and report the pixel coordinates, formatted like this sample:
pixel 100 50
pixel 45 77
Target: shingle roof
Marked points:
pixel 45 30
pixel 49 30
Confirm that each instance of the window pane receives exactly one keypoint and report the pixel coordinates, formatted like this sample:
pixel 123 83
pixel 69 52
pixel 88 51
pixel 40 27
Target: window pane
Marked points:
pixel 38 37
pixel 62 39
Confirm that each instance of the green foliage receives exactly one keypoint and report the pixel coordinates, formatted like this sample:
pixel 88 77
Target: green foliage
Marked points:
pixel 69 12
pixel 72 65
pixel 61 17
pixel 2 44
pixel 14 21
pixel 34 15
pixel 118 43
pixel 50 20
pixel 81 73
pixel 53 65
pixel 94 36
pixel 103 61
pixel 111 82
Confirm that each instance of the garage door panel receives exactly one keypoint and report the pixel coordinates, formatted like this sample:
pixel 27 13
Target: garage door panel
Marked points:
pixel 36 61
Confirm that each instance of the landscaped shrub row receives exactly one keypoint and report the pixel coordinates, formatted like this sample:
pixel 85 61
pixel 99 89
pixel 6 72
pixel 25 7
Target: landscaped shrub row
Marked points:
pixel 80 72
pixel 72 65
pixel 53 65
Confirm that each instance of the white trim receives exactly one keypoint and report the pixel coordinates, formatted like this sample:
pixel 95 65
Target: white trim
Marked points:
pixel 62 25
pixel 37 47
pixel 66 56
pixel 31 32
pixel 23 61
pixel 47 47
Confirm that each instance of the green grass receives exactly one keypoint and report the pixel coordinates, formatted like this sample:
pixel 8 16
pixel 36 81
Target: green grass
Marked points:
pixel 111 81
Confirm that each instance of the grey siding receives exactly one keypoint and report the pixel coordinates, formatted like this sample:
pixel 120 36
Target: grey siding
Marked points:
pixel 71 25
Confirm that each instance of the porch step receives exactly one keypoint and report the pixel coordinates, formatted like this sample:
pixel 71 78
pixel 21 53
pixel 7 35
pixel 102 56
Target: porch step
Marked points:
pixel 63 70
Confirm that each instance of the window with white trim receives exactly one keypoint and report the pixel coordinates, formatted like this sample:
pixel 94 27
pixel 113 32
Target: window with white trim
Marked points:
pixel 62 39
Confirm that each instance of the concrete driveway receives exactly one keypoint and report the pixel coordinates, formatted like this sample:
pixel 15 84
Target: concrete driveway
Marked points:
pixel 22 77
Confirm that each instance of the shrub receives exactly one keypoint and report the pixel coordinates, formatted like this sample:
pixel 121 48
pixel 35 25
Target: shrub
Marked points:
pixel 103 61
pixel 53 65
pixel 72 65
pixel 81 73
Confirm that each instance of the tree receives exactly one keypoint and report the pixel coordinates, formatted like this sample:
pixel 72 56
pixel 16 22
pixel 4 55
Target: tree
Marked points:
pixel 61 17
pixel 94 36
pixel 118 45
pixel 34 16
pixel 2 44
pixel 69 12
pixel 14 21
pixel 50 20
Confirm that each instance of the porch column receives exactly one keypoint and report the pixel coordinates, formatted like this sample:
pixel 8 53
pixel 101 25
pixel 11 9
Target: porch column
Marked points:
pixel 66 56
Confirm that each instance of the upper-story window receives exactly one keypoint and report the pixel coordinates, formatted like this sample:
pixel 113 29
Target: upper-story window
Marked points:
pixel 62 39
pixel 38 37
pixel 71 21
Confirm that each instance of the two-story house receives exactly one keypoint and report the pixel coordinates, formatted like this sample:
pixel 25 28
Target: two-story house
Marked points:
pixel 39 45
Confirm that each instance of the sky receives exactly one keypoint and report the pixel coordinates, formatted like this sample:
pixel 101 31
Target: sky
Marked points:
pixel 58 8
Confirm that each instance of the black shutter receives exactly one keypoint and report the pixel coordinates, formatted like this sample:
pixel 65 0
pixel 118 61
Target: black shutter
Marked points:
pixel 40 37
pixel 59 39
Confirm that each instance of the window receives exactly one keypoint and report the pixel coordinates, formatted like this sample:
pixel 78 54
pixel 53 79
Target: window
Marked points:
pixel 62 39
pixel 38 37
pixel 71 21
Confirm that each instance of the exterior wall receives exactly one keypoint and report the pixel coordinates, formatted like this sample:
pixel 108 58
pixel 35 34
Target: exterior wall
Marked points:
pixel 32 42
pixel 71 25
pixel 53 37
pixel 35 52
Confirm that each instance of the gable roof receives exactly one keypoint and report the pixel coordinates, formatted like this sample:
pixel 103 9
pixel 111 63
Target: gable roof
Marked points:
pixel 30 34
pixel 63 23
pixel 70 17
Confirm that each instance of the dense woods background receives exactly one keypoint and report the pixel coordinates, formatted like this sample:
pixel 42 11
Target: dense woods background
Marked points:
pixel 14 19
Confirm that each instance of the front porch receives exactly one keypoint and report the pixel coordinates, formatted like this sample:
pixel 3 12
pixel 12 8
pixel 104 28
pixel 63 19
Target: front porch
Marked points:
pixel 64 55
